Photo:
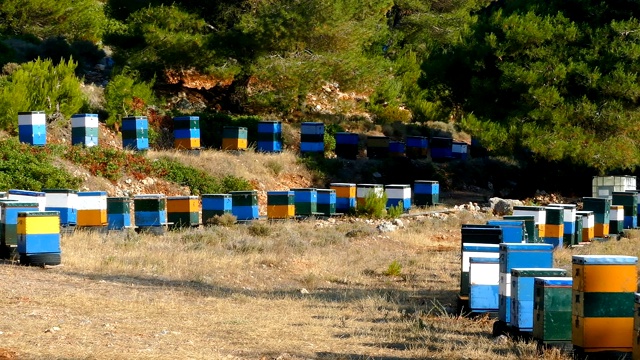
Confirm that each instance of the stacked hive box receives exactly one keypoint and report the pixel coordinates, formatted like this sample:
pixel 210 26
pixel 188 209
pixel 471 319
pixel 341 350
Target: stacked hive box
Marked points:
pixel 398 195
pixel 377 147
pixel 552 310
pixel 326 202
pixel 587 220
pixel 604 287
pixel 269 136
pixel 396 149
pixel 92 209
pixel 150 212
pixel 629 200
pixel 483 284
pixel 637 195
pixel 363 190
pixel 477 250
pixel 244 205
pixel 234 138
pixel 616 219
pixel 280 205
pixel 441 148
pixel 345 197
pixel 554 226
pixel 604 186
pixel 32 128
pixel 186 132
pixel 347 145
pixel 29 196
pixel 118 213
pixel 183 211
pixel 459 150
pixel 306 201
pixel 39 237
pixel 538 212
pixel 569 218
pixel 518 256
pixel 529 224
pixel 513 231
pixel 522 295
pixel 9 210
pixel 135 133
pixel 65 202
pixel 84 129
pixel 215 205
pixel 426 193
pixel 417 147
pixel 601 208
pixel 636 328
pixel 312 138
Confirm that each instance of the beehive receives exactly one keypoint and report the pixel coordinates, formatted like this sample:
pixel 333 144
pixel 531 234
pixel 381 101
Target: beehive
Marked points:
pixel 513 231
pixel 29 196
pixel 347 145
pixel 398 195
pixel 306 201
pixel 636 328
pixel 470 250
pixel 616 219
pixel 441 148
pixel 135 133
pixel 38 232
pixel 150 211
pixel 604 186
pixel 84 129
pixel 345 197
pixel 186 132
pixel 629 200
pixel 269 136
pixel 601 208
pixel 215 205
pixel 481 234
pixel 417 147
pixel 280 205
pixel 588 225
pixel 529 225
pixel 65 202
pixel 426 192
pixel 92 208
pixel 234 138
pixel 377 147
pixel 483 284
pixel 569 221
pixel 118 213
pixel 9 210
pixel 554 226
pixel 552 309
pixel 519 256
pixel 32 128
pixel 326 202
pixel 637 195
pixel 244 205
pixel 603 294
pixel 538 212
pixel 522 294
pixel 459 150
pixel 312 138
pixel 363 190
pixel 396 149
pixel 183 211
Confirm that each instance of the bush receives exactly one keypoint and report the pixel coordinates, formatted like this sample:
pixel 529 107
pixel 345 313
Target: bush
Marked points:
pixel 225 220
pixel 111 164
pixel 394 269
pixel 374 206
pixel 126 96
pixel 395 211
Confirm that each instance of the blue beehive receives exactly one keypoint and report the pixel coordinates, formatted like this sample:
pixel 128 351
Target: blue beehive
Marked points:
pixel 522 294
pixel 417 147
pixel 39 238
pixel 312 138
pixel 347 145
pixel 513 231
pixel 9 210
pixel 186 132
pixel 398 195
pixel 215 205
pixel 84 129
pixel 569 222
pixel 483 284
pixel 459 150
pixel 28 196
pixel 519 256
pixel 345 196
pixel 441 148
pixel 269 136
pixel 150 210
pixel 118 213
pixel 32 128
pixel 65 202
pixel 306 201
pixel 326 201
pixel 396 149
pixel 244 205
pixel 135 133
pixel 470 250
pixel 426 192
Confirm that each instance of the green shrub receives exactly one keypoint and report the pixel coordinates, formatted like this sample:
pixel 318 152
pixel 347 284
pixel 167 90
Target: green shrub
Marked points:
pixel 259 229
pixel 225 220
pixel 111 164
pixel 394 269
pixel 395 211
pixel 374 206
pixel 125 95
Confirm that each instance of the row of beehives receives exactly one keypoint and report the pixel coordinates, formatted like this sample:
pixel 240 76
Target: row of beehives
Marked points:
pixel 590 310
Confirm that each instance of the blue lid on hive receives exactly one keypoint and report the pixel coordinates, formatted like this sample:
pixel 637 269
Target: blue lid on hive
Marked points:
pixel 604 259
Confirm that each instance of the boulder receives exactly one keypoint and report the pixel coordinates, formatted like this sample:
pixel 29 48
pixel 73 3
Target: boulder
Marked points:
pixel 502 207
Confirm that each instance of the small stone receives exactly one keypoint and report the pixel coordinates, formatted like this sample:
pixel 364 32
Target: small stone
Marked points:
pixel 502 339
pixel 304 291
pixel 398 223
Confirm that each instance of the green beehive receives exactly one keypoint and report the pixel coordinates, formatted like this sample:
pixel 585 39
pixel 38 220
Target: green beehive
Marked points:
pixel 552 309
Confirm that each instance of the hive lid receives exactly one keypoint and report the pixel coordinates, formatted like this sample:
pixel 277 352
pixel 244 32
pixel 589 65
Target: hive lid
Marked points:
pixel 480 247
pixel 83 115
pixel 113 199
pixel 483 260
pixel 564 206
pixel 215 195
pixel 280 192
pixel 425 182
pixel 30 112
pixel 182 197
pixel 25 192
pixel 402 186
pixel 59 191
pixel 530 247
pixel 18 204
pixel 38 213
pixel 92 193
pixel 179 118
pixel 325 190
pixel 604 259
pixel 534 272
pixel 342 184
pixel 303 189
pixel 554 281
pixel 528 208
pixel 369 185
pixel 582 212
pixel 149 196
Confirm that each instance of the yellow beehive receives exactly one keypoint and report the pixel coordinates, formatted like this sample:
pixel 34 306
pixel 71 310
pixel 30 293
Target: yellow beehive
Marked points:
pixel 192 143
pixel 183 204
pixel 601 230
pixel 553 231
pixel 281 211
pixel 602 333
pixel 344 191
pixel 38 225
pixel 610 278
pixel 234 144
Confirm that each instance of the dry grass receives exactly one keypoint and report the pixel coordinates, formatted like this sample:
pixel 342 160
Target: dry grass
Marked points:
pixel 282 290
